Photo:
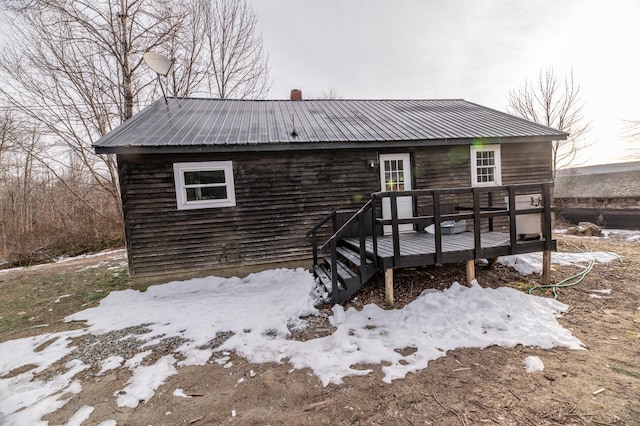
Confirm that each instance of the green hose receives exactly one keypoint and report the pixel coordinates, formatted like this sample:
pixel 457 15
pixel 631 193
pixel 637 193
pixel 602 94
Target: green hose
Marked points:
pixel 567 282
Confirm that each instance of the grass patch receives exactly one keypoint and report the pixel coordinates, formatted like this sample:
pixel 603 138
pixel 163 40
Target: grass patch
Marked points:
pixel 626 371
pixel 35 302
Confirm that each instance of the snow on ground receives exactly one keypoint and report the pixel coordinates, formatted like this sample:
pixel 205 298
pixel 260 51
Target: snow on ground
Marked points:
pixel 115 254
pixel 627 234
pixel 530 263
pixel 258 312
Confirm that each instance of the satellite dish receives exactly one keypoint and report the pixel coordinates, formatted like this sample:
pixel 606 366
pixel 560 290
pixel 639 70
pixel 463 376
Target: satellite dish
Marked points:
pixel 160 64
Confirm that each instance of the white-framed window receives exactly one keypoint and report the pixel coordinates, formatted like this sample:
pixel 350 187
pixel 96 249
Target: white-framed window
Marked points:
pixel 485 165
pixel 203 185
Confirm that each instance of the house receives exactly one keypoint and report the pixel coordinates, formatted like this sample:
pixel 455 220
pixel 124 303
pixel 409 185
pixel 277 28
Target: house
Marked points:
pixel 229 187
pixel 608 195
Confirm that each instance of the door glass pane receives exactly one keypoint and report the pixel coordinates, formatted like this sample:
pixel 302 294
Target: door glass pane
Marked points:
pixel 394 175
pixel 388 181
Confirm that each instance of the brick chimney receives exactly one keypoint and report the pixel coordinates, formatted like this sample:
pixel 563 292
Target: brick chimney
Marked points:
pixel 296 95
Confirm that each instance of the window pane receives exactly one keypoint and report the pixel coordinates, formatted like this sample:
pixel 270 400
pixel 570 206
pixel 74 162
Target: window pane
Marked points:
pixel 486 174
pixel 207 193
pixel 485 158
pixel 204 177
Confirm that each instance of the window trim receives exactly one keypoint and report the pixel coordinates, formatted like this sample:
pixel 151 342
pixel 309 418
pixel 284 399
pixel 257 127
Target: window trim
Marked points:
pixel 179 170
pixel 474 165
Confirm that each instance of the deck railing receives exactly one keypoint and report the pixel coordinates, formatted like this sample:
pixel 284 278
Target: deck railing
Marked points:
pixel 482 209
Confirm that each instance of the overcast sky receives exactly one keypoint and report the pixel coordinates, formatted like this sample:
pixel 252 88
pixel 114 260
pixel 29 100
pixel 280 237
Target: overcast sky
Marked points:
pixel 470 49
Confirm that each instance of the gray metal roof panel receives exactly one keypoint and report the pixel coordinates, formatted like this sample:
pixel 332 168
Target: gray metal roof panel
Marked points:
pixel 219 122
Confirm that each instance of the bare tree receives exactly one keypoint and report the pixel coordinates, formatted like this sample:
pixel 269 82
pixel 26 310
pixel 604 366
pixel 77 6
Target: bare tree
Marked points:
pixel 557 104
pixel 45 210
pixel 72 65
pixel 75 66
pixel 632 135
pixel 71 71
pixel 7 142
pixel 239 65
pixel 332 93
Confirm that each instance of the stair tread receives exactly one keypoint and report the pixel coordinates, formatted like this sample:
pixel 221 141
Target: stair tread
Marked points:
pixel 344 272
pixel 352 256
pixel 324 275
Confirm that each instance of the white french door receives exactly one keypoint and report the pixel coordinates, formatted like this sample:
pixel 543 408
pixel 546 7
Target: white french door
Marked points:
pixel 395 175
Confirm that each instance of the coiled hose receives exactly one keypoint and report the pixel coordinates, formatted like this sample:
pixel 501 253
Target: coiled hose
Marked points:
pixel 567 282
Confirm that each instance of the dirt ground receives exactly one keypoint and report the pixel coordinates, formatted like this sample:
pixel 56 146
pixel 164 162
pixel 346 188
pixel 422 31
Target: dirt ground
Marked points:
pixel 598 386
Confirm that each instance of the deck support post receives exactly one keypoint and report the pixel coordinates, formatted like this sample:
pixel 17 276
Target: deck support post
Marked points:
pixel 388 288
pixel 471 271
pixel 546 267
pixel 492 262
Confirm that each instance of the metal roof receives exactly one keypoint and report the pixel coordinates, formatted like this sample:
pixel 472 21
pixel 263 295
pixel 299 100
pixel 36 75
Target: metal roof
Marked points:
pixel 602 181
pixel 631 166
pixel 188 124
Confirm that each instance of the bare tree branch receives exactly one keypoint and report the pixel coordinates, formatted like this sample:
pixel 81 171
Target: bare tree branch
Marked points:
pixel 557 104
pixel 238 64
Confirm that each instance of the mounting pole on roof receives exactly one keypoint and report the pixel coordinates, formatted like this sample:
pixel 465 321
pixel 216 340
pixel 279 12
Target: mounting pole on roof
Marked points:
pixel 161 65
pixel 293 125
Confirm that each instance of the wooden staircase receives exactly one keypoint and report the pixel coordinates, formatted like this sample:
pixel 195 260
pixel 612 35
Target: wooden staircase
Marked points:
pixel 351 274
pixel 342 267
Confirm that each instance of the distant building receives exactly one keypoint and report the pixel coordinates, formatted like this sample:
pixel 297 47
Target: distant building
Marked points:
pixel 608 195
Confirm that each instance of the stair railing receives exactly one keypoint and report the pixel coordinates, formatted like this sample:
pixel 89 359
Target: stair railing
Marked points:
pixel 313 232
pixel 332 242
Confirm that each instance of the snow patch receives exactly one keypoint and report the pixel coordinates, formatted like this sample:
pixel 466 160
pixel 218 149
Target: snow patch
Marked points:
pixel 80 416
pixel 110 363
pixel 144 382
pixel 531 263
pixel 533 364
pixel 180 393
pixel 256 313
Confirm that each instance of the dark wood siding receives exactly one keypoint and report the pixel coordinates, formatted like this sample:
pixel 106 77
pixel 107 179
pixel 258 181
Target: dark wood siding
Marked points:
pixel 448 166
pixel 526 163
pixel 279 196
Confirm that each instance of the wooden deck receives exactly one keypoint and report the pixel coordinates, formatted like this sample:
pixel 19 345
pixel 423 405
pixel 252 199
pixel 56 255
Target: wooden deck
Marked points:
pixel 358 243
pixel 419 248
